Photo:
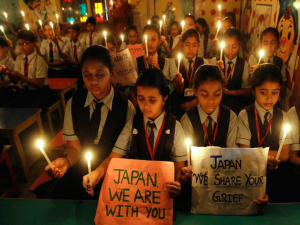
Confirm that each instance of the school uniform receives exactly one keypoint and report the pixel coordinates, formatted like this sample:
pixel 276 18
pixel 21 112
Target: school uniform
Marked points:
pixel 220 126
pixel 97 125
pixel 65 40
pixel 34 67
pixel 91 39
pixel 236 75
pixel 173 41
pixel 204 46
pixel 248 135
pixel 135 128
pixel 50 50
pixel 187 69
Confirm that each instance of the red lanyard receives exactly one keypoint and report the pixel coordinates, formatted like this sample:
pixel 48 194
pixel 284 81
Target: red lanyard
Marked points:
pixel 229 75
pixel 152 154
pixel 91 39
pixel 257 128
pixel 145 63
pixel 187 73
pixel 27 68
pixel 215 133
pixel 73 50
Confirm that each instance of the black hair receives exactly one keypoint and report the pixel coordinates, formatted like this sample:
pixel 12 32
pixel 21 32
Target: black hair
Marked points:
pixel 3 43
pixel 156 79
pixel 60 26
pixel 204 24
pixel 91 20
pixel 190 16
pixel 152 27
pixel 111 39
pixel 74 27
pixel 26 35
pixel 266 72
pixel 272 30
pixel 98 52
pixel 134 28
pixel 207 72
pixel 231 15
pixel 177 24
pixel 232 32
pixel 232 21
pixel 191 33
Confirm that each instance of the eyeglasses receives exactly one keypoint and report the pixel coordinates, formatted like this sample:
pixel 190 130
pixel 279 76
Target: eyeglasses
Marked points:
pixel 23 44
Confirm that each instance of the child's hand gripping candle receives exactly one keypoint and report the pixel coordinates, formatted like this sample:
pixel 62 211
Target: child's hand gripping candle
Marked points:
pixel 146 44
pixel 40 145
pixel 104 33
pixel 219 27
pixel 2 29
pixel 5 15
pixel 88 158
pixel 219 7
pixel 188 145
pixel 222 47
pixel 261 54
pixel 179 59
pixel 287 128
pixel 57 16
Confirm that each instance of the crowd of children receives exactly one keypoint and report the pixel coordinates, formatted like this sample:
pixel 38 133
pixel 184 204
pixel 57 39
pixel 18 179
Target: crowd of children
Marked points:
pixel 226 102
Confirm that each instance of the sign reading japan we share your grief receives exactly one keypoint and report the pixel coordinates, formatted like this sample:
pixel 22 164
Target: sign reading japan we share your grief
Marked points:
pixel 133 193
pixel 226 181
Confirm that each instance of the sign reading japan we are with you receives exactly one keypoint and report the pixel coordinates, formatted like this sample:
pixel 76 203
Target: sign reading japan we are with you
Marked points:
pixel 133 193
pixel 226 181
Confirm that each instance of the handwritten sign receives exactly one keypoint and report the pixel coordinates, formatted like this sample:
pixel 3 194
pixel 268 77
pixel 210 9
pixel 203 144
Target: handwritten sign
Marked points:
pixel 124 72
pixel 226 181
pixel 133 192
pixel 136 50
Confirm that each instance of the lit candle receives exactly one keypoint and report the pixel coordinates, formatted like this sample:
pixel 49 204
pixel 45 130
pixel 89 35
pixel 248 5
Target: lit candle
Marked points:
pixel 27 26
pixel 104 33
pixel 146 44
pixel 149 22
pixel 57 16
pixel 51 25
pixel 188 144
pixel 287 128
pixel 88 158
pixel 2 29
pixel 23 14
pixel 122 37
pixel 219 27
pixel 41 23
pixel 179 59
pixel 261 54
pixel 222 47
pixel 40 145
pixel 71 22
pixel 160 26
pixel 164 18
pixel 219 7
pixel 5 15
pixel 112 3
pixel 182 25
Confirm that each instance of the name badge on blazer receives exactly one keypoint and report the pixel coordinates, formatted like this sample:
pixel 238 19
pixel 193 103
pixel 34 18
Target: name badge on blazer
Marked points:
pixel 188 92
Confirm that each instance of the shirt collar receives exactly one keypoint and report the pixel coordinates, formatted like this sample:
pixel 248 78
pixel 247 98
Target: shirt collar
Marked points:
pixel 266 58
pixel 30 57
pixel 158 121
pixel 204 115
pixel 186 61
pixel 233 60
pixel 76 43
pixel 107 100
pixel 261 111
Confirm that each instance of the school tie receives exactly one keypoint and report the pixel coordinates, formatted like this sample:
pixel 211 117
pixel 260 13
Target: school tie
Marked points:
pixel 229 69
pixel 152 125
pixel 269 60
pixel 51 51
pixel 75 53
pixel 171 42
pixel 209 129
pixel 266 124
pixel 25 67
pixel 95 120
pixel 91 39
pixel 190 68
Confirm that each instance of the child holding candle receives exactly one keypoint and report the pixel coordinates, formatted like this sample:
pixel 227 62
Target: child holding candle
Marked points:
pixel 152 134
pixel 59 34
pixel 236 72
pixel 261 125
pixel 92 37
pixel 132 35
pixel 111 44
pixel 183 97
pixel 203 29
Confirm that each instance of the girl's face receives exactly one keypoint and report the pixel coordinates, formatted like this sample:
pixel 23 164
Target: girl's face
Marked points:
pixel 225 25
pixel 153 41
pixel 174 30
pixel 150 101
pixel 232 47
pixel 200 28
pixel 133 37
pixel 189 23
pixel 269 44
pixel 96 77
pixel 287 34
pixel 190 47
pixel 111 48
pixel 267 94
pixel 209 95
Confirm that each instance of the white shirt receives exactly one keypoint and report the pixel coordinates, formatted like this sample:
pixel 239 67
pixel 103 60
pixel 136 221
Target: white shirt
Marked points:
pixel 96 39
pixel 45 50
pixel 9 63
pixel 69 50
pixel 295 126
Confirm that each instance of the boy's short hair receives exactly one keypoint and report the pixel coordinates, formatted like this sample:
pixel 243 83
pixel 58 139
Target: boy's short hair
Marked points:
pixel 91 20
pixel 232 32
pixel 207 72
pixel 266 72
pixel 27 35
pixel 272 30
pixel 3 43
pixel 190 16
pixel 191 33
pixel 232 21
pixel 74 27
pixel 98 52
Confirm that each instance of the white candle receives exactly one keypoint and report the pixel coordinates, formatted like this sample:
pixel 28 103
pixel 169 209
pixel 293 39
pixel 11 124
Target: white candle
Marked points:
pixel 71 22
pixel 2 29
pixel 122 37
pixel 88 158
pixel 182 25
pixel 179 59
pixel 146 44
pixel 41 23
pixel 219 7
pixel 287 128
pixel 149 22
pixel 188 144
pixel 219 27
pixel 57 16
pixel 261 54
pixel 23 14
pixel 5 15
pixel 160 26
pixel 27 26
pixel 112 3
pixel 164 18
pixel 222 47
pixel 40 145
pixel 104 33
pixel 51 25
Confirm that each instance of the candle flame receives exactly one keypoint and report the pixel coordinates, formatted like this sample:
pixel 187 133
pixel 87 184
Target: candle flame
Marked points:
pixel 27 26
pixel 88 156
pixel 23 14
pixel 219 25
pixel 160 22
pixel 222 44
pixel 188 142
pixel 5 14
pixel 164 17
pixel 40 143
pixel 149 22
pixel 145 37
pixel 40 22
pixel 219 7
pixel 261 53
pixel 179 56
pixel 104 33
pixel 1 28
pixel 287 128
pixel 71 22
pixel 182 23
